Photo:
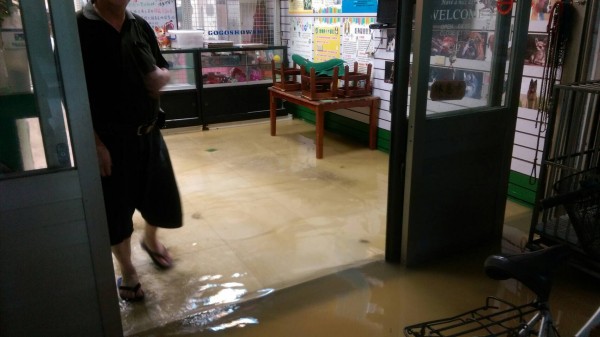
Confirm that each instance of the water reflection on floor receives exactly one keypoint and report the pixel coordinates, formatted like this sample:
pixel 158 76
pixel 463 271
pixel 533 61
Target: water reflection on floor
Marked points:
pixel 277 243
pixel 380 299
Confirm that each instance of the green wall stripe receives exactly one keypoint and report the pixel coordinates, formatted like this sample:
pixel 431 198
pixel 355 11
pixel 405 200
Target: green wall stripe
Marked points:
pixel 523 180
pixel 520 188
pixel 342 125
pixel 384 140
pixel 520 193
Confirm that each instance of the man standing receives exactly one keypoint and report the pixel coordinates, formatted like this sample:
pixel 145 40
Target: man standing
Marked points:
pixel 124 72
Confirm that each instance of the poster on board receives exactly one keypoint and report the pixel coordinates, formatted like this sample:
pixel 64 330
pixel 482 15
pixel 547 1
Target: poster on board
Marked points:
pixel 301 37
pixel 300 6
pixel 326 6
pixel 357 42
pixel 326 39
pixel 332 6
pixel 160 14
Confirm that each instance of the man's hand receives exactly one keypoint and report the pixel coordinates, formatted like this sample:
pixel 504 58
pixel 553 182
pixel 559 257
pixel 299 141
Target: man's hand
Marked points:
pixel 155 80
pixel 104 160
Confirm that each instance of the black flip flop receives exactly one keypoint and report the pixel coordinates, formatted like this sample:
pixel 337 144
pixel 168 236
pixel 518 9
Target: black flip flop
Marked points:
pixel 134 289
pixel 156 257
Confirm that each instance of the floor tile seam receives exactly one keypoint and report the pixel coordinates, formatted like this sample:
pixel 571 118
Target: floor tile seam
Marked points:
pixel 251 271
pixel 214 225
pixel 250 195
pixel 357 193
pixel 353 189
pixel 198 180
pixel 194 133
pixel 244 173
pixel 303 211
pixel 191 206
pixel 275 230
pixel 209 174
pixel 195 164
pixel 224 154
pixel 341 232
pixel 216 245
pixel 282 187
pixel 306 213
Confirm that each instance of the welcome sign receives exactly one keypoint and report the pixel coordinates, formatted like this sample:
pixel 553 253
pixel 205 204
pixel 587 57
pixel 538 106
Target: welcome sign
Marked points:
pixel 454 11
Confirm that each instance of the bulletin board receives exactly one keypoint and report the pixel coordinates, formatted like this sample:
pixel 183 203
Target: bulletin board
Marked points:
pixel 160 14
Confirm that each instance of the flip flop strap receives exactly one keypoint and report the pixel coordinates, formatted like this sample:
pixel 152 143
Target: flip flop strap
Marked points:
pixel 134 288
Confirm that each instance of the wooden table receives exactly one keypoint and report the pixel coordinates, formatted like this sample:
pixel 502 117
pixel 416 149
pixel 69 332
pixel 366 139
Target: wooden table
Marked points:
pixel 320 107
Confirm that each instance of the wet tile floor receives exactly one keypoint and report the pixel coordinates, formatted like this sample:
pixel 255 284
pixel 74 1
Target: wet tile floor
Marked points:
pixel 380 299
pixel 278 243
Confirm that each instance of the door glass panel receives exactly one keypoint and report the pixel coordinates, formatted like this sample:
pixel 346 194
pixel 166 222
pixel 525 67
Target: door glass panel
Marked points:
pixel 33 129
pixel 594 49
pixel 464 59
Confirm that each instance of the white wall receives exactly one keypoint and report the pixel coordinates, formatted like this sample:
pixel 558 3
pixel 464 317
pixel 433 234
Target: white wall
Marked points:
pixel 529 139
pixel 377 44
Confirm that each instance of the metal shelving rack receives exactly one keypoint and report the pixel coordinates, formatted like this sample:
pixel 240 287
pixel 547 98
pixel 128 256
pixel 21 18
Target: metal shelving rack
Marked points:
pixel 572 146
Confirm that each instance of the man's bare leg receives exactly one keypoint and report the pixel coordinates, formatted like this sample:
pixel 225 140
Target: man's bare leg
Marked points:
pixel 122 253
pixel 155 248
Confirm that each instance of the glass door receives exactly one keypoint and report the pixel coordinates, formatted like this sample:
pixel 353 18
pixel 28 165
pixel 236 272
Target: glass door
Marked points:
pixel 466 71
pixel 52 223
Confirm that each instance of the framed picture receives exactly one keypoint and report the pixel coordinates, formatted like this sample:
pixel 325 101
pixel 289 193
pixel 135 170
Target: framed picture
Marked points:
pixel 389 72
pixel 444 43
pixel 536 50
pixel 439 73
pixel 530 92
pixel 472 45
pixel 473 81
pixel 391 40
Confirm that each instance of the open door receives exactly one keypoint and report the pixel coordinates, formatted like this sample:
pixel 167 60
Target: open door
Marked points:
pixel 55 261
pixel 467 61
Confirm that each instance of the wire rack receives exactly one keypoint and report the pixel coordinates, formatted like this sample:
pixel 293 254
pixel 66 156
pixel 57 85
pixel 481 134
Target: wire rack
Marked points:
pixel 496 318
pixel 580 193
pixel 573 147
pixel 233 20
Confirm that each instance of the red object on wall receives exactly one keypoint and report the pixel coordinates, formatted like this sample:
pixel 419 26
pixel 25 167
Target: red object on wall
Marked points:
pixel 504 7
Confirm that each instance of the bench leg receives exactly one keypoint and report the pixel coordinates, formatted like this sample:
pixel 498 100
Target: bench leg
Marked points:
pixel 273 113
pixel 373 121
pixel 320 121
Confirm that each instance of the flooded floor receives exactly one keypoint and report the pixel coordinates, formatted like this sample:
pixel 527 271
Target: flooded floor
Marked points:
pixel 278 243
pixel 380 299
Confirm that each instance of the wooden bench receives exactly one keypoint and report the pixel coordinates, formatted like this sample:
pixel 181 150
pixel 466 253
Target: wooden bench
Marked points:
pixel 319 107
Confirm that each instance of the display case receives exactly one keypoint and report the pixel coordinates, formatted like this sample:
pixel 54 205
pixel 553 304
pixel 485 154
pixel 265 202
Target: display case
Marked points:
pixel 210 85
pixel 238 67
pixel 180 98
pixel 235 82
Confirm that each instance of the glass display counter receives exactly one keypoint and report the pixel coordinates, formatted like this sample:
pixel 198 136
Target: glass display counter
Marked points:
pixel 180 98
pixel 210 85
pixel 224 68
pixel 182 69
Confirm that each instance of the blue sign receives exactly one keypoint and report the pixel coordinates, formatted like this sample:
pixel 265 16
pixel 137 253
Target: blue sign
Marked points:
pixel 359 6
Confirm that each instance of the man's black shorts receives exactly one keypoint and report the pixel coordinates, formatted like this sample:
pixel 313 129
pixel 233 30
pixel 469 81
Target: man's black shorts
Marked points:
pixel 142 178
